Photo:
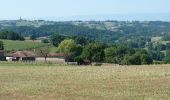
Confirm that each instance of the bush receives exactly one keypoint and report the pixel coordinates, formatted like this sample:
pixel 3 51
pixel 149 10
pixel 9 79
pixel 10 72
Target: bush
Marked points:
pixel 45 41
pixel 79 60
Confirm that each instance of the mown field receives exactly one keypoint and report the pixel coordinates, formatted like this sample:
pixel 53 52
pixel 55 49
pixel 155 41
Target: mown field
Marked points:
pixel 63 82
pixel 10 45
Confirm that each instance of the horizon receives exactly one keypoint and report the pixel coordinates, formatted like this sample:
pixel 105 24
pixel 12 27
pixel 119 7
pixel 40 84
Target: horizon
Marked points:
pixel 57 10
pixel 114 17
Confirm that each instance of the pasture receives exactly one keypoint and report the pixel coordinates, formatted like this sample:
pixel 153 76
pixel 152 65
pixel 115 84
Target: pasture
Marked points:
pixel 10 45
pixel 63 82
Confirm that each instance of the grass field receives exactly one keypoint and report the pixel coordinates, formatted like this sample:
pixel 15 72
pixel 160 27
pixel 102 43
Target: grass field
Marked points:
pixel 10 45
pixel 59 82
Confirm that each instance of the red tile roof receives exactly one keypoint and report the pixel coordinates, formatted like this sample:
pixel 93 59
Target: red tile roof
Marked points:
pixel 56 55
pixel 23 54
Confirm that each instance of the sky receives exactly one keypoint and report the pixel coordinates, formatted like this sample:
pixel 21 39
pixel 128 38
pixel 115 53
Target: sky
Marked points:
pixel 77 9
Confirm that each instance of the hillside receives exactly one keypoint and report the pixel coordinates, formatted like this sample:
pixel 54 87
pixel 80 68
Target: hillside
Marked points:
pixel 103 31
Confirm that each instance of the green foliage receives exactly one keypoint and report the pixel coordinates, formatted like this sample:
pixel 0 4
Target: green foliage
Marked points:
pixel 110 54
pixel 10 35
pixel 146 59
pixel 167 58
pixel 166 37
pixel 139 58
pixel 1 45
pixel 157 55
pixel 125 36
pixel 45 41
pixel 167 45
pixel 81 40
pixel 132 60
pixel 33 37
pixel 56 39
pixel 122 55
pixel 93 52
pixel 70 49
pixel 43 51
pixel 67 46
pixel 79 60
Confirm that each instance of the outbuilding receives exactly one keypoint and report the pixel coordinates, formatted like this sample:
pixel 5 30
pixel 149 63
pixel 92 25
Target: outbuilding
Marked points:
pixel 23 56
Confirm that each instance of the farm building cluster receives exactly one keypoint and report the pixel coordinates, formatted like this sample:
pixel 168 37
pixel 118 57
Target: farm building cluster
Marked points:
pixel 29 56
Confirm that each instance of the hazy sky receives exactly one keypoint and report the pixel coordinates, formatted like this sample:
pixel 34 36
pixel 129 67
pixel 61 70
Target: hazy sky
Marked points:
pixel 12 9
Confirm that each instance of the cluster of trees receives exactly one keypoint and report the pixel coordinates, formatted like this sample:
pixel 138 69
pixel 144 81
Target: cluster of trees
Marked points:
pixel 2 58
pixel 90 51
pixel 11 35
pixel 167 60
pixel 166 37
pixel 56 39
pixel 1 45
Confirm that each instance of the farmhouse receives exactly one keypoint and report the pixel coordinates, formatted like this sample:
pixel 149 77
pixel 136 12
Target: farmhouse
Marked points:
pixel 23 56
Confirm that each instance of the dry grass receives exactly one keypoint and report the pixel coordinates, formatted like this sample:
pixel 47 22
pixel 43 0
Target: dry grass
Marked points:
pixel 85 83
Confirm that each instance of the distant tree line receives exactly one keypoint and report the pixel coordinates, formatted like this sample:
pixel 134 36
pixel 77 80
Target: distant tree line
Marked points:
pixel 10 35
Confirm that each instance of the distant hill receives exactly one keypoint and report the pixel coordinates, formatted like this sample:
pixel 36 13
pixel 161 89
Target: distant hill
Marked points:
pixel 103 31
pixel 14 23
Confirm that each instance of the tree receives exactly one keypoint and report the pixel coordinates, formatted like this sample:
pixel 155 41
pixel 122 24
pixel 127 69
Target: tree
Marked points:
pixel 2 57
pixel 11 35
pixel 167 58
pixel 110 55
pixel 93 52
pixel 138 58
pixel 1 45
pixel 146 59
pixel 33 37
pixel 80 40
pixel 70 49
pixel 56 39
pixel 45 41
pixel 157 55
pixel 168 46
pixel 121 52
pixel 132 60
pixel 44 51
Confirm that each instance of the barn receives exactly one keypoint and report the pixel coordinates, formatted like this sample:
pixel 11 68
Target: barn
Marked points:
pixel 23 56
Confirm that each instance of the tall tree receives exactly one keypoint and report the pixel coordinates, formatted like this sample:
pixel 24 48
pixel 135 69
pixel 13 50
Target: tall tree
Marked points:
pixel 70 49
pixel 56 39
pixel 44 51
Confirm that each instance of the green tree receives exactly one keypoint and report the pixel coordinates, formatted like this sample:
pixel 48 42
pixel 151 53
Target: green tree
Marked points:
pixel 132 60
pixel 33 37
pixel 70 49
pixel 93 52
pixel 146 59
pixel 1 45
pixel 44 51
pixel 110 54
pixel 167 58
pixel 45 41
pixel 11 35
pixel 56 39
